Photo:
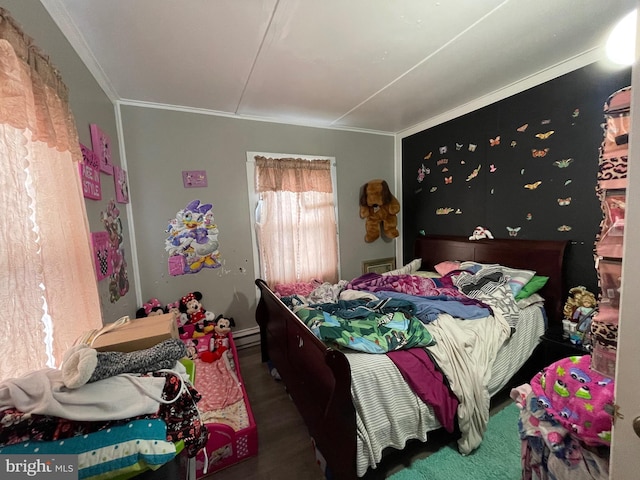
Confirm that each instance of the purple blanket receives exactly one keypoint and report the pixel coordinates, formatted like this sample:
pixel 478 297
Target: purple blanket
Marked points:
pixel 427 382
pixel 409 284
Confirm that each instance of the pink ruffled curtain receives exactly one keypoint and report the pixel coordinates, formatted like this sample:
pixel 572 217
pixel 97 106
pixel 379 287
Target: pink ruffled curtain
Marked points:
pixel 48 290
pixel 296 224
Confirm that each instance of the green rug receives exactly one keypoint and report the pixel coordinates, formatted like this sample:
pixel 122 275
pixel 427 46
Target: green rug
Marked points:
pixel 497 458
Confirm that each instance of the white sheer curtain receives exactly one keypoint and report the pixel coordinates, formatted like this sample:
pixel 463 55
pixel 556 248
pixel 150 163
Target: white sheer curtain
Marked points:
pixel 296 223
pixel 48 291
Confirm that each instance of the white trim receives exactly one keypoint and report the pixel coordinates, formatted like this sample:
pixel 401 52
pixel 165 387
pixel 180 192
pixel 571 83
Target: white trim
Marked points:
pixel 129 207
pixel 562 68
pixel 253 200
pixel 217 113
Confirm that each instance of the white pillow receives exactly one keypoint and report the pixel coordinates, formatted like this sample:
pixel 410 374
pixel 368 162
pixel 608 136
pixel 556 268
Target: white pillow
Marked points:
pixel 409 268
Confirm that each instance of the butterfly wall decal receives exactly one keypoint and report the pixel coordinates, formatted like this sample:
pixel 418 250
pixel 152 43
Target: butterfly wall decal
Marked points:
pixel 474 174
pixel 544 136
pixel 433 189
pixel 522 128
pixel 533 186
pixel 458 146
pixel 535 153
pixel 513 231
pixel 444 210
pixel 563 202
pixel 564 228
pixel 576 113
pixel 494 141
pixel 492 168
pixel 443 149
pixel 545 122
pixel 513 143
pixel 448 180
pixel 428 156
pixel 472 147
pixel 563 163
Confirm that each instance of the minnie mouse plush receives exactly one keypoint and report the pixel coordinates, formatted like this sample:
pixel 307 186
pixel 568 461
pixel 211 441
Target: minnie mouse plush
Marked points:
pixel 152 307
pixel 202 320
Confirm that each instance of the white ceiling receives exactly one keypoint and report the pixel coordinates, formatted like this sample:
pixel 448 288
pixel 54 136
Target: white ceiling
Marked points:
pixel 377 65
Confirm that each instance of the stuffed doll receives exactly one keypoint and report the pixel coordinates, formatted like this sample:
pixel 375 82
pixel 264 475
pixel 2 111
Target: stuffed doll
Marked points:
pixel 202 320
pixel 379 207
pixel 220 338
pixel 152 307
pixel 480 233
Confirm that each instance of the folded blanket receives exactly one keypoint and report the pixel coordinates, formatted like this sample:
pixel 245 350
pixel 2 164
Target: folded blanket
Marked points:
pixel 83 364
pixel 43 392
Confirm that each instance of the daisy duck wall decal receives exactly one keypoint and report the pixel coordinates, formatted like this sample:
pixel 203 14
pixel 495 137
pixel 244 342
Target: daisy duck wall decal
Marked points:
pixel 193 239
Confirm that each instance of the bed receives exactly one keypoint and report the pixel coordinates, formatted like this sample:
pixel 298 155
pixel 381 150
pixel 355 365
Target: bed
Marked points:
pixel 327 384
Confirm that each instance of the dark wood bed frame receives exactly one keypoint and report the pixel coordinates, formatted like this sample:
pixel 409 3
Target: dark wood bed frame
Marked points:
pixel 318 377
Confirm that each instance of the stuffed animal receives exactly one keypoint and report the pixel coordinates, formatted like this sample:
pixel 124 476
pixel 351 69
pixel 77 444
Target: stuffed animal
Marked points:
pixel 379 207
pixel 220 338
pixel 152 307
pixel 480 232
pixel 202 320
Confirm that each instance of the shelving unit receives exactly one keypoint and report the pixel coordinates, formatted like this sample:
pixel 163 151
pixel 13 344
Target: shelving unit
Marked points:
pixel 611 191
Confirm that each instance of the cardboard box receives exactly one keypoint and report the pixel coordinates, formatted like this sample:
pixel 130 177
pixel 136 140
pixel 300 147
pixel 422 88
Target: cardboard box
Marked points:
pixel 138 334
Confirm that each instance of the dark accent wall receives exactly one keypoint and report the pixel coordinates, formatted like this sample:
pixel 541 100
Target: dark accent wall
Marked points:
pixel 531 175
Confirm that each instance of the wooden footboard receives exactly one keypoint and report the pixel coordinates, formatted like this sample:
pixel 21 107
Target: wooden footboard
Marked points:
pixel 318 379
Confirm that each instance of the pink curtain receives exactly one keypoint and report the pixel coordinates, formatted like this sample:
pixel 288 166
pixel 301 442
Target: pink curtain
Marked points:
pixel 48 291
pixel 296 222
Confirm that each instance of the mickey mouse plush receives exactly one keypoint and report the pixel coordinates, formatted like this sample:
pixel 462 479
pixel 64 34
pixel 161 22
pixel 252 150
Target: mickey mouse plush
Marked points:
pixel 220 339
pixel 379 207
pixel 202 320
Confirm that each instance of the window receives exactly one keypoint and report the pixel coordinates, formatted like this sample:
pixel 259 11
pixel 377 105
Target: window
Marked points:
pixel 294 217
pixel 48 291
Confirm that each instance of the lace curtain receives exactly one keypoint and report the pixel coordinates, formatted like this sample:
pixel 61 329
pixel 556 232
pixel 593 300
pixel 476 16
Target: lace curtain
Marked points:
pixel 48 291
pixel 295 222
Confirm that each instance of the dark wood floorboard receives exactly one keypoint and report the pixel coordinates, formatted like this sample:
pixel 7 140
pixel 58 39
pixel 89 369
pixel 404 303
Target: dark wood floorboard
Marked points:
pixel 285 450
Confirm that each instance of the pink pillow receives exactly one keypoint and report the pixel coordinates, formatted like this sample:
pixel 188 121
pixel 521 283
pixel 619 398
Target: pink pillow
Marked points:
pixel 445 267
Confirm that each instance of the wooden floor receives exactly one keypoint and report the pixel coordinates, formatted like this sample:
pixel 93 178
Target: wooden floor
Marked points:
pixel 285 450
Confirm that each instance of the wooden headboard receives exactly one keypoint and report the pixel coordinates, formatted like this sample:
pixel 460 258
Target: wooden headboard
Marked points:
pixel 546 257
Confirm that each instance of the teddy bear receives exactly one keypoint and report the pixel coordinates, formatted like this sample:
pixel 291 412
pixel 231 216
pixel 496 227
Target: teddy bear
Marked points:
pixel 202 320
pixel 379 207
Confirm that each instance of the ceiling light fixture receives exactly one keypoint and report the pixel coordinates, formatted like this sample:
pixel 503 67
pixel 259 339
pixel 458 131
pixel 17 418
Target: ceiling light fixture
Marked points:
pixel 621 43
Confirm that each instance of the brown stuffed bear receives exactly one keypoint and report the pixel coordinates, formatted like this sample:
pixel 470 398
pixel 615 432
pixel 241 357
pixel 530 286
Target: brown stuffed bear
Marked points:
pixel 378 205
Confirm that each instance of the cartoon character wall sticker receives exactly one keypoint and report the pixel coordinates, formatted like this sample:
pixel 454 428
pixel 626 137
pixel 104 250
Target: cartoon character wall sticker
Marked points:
pixel 193 239
pixel 119 278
